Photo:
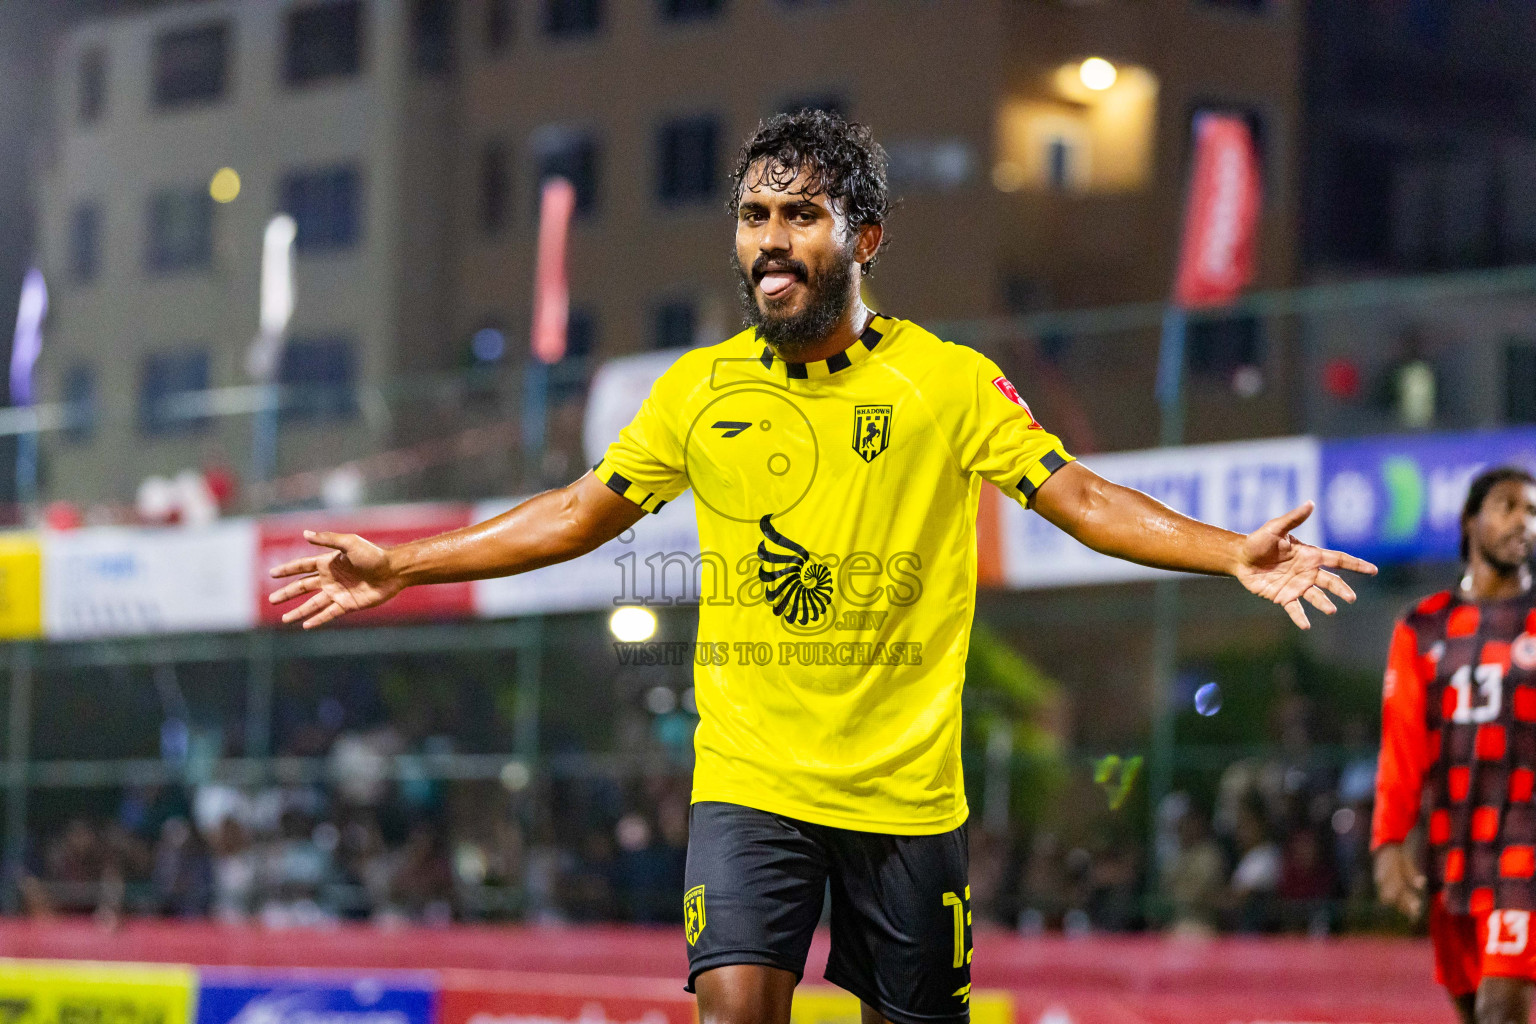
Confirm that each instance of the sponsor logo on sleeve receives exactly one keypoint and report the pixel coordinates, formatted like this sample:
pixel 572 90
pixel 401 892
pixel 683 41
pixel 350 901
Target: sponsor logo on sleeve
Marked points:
pixel 1011 393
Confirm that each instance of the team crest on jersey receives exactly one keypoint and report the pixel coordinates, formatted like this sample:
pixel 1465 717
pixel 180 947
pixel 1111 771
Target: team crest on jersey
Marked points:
pixel 1011 393
pixel 693 913
pixel 871 430
pixel 798 587
pixel 1523 652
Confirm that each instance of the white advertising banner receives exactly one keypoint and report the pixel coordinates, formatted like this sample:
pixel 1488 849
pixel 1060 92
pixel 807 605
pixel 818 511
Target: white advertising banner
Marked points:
pixel 655 561
pixel 119 580
pixel 1239 486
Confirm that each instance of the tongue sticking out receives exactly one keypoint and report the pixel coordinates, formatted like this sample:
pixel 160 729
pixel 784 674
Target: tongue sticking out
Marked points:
pixel 776 284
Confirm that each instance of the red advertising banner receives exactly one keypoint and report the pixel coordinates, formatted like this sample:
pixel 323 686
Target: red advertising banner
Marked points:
pixel 281 539
pixel 505 997
pixel 1216 258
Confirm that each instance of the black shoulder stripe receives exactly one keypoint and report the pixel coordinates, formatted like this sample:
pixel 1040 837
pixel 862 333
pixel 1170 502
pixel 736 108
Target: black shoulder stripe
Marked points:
pixel 1052 461
pixel 618 484
pixel 1027 489
pixel 658 507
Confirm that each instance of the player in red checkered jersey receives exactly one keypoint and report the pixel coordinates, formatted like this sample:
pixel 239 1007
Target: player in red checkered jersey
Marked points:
pixel 1458 745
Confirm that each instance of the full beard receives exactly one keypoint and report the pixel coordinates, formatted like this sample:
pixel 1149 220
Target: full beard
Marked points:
pixel 792 335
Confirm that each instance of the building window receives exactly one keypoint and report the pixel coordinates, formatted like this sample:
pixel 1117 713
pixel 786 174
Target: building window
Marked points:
pixel 1520 382
pixel 191 65
pixel 568 377
pixel 572 17
pixel 324 41
pixel 690 10
pixel 180 230
pixel 500 25
pixel 686 162
pixel 324 203
pixel 321 374
pixel 572 155
pixel 432 36
pixel 85 243
pixel 79 397
pixel 674 325
pixel 165 377
pixel 495 188
pixel 92 84
pixel 1220 347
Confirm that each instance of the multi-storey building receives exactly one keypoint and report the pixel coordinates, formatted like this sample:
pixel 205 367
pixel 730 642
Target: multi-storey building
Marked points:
pixel 410 139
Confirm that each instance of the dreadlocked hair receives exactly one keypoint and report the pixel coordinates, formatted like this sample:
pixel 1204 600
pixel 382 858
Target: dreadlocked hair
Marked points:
pixel 839 158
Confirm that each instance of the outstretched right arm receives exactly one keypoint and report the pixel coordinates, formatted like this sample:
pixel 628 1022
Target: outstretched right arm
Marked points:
pixel 551 527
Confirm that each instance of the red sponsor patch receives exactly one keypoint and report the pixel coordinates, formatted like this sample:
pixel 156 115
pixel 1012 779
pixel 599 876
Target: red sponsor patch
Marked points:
pixel 1523 652
pixel 1011 393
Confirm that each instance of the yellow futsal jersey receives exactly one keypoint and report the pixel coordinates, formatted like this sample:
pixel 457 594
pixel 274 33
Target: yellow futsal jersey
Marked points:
pixel 836 505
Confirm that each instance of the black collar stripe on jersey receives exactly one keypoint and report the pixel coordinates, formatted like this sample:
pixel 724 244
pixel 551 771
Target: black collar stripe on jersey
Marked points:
pixel 835 363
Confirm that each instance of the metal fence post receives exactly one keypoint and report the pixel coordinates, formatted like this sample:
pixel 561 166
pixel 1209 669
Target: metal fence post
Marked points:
pixel 18 756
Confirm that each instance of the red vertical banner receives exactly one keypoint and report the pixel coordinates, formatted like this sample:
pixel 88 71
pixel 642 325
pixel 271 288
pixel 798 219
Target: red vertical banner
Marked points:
pixel 551 291
pixel 1216 259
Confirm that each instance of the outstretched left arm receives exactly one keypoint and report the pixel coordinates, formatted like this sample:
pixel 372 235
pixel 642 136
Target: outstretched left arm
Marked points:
pixel 1128 524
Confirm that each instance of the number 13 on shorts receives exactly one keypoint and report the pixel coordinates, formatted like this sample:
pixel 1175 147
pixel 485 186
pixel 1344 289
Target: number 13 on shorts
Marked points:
pixel 1509 931
pixel 962 910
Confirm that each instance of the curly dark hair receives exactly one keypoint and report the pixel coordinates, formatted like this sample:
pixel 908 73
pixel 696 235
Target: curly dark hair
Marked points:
pixel 841 158
pixel 1477 493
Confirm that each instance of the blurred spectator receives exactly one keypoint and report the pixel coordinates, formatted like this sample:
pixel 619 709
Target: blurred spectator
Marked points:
pixel 182 874
pixel 1306 882
pixel 1196 879
pixel 1256 878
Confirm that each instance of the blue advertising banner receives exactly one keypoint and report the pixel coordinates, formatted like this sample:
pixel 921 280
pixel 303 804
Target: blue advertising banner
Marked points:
pixel 1399 498
pixel 314 997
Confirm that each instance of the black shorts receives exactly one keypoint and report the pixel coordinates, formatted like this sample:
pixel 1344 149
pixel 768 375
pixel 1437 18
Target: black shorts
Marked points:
pixel 901 918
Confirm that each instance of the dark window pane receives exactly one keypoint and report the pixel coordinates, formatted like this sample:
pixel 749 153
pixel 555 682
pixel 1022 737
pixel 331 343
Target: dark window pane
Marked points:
pixel 1219 347
pixel 164 377
pixel 686 160
pixel 573 156
pixel 190 65
pixel 85 242
pixel 690 10
pixel 180 230
pixel 79 396
pixel 568 377
pixel 324 41
pixel 674 325
pixel 495 187
pixel 93 84
pixel 500 24
pixel 432 36
pixel 1520 383
pixel 572 17
pixel 325 204
pixel 321 374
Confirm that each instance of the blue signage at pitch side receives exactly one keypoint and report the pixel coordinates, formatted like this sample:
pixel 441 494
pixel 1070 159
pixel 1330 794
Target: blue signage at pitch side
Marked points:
pixel 1399 498
pixel 249 997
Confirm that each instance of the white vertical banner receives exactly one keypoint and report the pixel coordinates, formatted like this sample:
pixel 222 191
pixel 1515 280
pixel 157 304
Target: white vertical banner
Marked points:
pixel 1239 486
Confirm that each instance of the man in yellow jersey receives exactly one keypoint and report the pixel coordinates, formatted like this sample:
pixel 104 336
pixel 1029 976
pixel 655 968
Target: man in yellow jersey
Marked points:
pixel 836 456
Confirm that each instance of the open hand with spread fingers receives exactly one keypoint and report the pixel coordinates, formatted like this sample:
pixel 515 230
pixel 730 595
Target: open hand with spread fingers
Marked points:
pixel 353 576
pixel 1282 569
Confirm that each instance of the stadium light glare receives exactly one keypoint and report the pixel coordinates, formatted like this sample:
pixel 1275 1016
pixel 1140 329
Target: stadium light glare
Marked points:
pixel 632 625
pixel 225 186
pixel 1097 74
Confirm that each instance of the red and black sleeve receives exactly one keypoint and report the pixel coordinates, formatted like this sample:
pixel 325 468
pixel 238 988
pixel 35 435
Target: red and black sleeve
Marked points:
pixel 1404 742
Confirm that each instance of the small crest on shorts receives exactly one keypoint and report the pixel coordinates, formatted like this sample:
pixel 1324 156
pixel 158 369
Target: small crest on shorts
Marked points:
pixel 693 913
pixel 1523 652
